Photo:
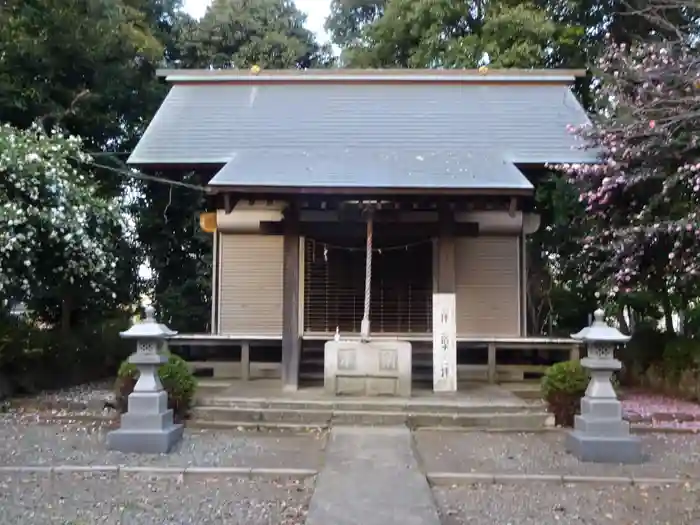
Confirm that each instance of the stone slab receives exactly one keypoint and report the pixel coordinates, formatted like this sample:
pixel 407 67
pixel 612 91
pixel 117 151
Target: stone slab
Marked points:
pixel 145 442
pixel 374 368
pixel 371 477
pixel 625 450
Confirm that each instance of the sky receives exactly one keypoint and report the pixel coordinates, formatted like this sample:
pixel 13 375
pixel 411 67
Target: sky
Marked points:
pixel 316 11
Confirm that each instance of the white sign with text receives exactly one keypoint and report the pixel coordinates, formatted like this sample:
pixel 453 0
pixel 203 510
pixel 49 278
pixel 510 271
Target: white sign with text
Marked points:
pixel 444 343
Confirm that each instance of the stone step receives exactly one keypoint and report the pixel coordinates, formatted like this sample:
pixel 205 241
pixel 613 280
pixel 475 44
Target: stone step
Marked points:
pixel 529 390
pixel 327 418
pixel 416 405
pixel 382 404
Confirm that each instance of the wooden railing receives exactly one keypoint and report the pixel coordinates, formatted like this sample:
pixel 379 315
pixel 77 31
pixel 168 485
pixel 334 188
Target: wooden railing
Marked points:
pixel 246 342
pixel 493 345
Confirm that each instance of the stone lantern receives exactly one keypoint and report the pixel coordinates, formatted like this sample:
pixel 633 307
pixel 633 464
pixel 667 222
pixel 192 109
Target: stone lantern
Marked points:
pixel 147 427
pixel 600 434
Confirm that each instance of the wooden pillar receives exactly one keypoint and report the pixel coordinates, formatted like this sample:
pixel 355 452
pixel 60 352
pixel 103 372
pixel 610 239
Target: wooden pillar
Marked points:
pixel 446 253
pixel 245 361
pixel 523 285
pixel 491 370
pixel 291 343
pixel 575 352
pixel 214 328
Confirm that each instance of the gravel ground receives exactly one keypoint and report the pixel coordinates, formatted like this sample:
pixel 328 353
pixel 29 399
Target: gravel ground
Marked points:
pixel 670 455
pixel 538 504
pixel 141 500
pixel 88 396
pixel 77 444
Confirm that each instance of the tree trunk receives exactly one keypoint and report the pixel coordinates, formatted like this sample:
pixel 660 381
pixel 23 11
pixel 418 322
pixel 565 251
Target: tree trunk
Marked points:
pixel 620 315
pixel 66 311
pixel 668 311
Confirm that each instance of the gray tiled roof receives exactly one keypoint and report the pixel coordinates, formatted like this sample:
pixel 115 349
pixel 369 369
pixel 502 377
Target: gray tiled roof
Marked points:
pixel 370 168
pixel 277 131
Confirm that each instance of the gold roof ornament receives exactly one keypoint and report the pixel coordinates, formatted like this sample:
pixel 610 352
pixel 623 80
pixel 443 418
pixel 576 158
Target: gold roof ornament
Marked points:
pixel 207 221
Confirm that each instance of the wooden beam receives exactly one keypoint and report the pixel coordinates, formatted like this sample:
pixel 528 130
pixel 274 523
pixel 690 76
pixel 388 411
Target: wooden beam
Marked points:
pixel 513 206
pixel 393 230
pixel 230 202
pixel 291 340
pixel 356 215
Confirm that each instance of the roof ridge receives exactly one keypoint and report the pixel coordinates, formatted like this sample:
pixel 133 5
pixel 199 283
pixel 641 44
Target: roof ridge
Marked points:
pixel 369 75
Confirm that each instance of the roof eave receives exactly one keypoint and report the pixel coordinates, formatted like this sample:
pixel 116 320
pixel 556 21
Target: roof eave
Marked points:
pixel 357 190
pixel 369 75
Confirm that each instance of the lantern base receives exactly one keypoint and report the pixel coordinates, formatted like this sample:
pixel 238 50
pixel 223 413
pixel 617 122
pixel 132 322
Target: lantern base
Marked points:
pixel 625 449
pixel 159 441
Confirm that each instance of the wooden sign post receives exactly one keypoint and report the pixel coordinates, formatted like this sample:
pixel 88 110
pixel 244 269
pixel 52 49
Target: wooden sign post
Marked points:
pixel 444 343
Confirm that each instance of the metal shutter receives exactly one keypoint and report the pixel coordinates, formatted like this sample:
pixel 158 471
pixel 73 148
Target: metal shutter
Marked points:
pixel 488 286
pixel 250 300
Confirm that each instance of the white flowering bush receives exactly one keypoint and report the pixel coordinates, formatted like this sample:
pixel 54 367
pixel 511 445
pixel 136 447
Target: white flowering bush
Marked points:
pixel 57 231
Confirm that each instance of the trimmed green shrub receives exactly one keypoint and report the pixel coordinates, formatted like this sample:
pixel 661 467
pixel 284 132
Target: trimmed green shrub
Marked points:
pixel 177 381
pixel 563 385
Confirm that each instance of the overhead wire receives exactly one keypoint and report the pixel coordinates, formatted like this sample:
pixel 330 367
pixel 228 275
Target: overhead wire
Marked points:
pixel 136 174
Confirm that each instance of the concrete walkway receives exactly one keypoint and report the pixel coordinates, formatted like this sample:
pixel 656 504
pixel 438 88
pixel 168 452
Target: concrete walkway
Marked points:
pixel 371 477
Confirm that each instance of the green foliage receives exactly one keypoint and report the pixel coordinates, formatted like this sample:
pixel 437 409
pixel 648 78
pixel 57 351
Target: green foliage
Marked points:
pixel 175 376
pixel 444 33
pixel 34 359
pixel 692 321
pixel 559 303
pixel 563 385
pixel 680 354
pixel 269 33
pixel 511 35
pixel 79 62
pixel 349 17
pixel 180 253
pixel 675 370
pixel 644 348
pixel 567 377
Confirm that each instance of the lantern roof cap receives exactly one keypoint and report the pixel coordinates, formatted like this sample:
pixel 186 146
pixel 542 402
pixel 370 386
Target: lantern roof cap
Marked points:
pixel 148 328
pixel 600 331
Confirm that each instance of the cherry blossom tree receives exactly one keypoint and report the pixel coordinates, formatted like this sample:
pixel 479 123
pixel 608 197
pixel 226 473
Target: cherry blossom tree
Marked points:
pixel 57 232
pixel 642 199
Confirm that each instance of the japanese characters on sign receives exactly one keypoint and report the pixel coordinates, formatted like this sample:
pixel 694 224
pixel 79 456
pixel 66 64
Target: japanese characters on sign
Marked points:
pixel 444 343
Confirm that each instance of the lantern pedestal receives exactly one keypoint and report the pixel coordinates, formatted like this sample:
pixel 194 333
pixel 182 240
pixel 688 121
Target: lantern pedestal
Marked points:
pixel 148 426
pixel 600 434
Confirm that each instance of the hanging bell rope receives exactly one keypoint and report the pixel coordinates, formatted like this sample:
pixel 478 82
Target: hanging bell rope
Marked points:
pixel 364 326
pixel 368 281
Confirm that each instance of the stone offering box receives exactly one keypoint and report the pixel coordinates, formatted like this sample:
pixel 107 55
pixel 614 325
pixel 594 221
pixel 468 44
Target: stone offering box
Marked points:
pixel 372 368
